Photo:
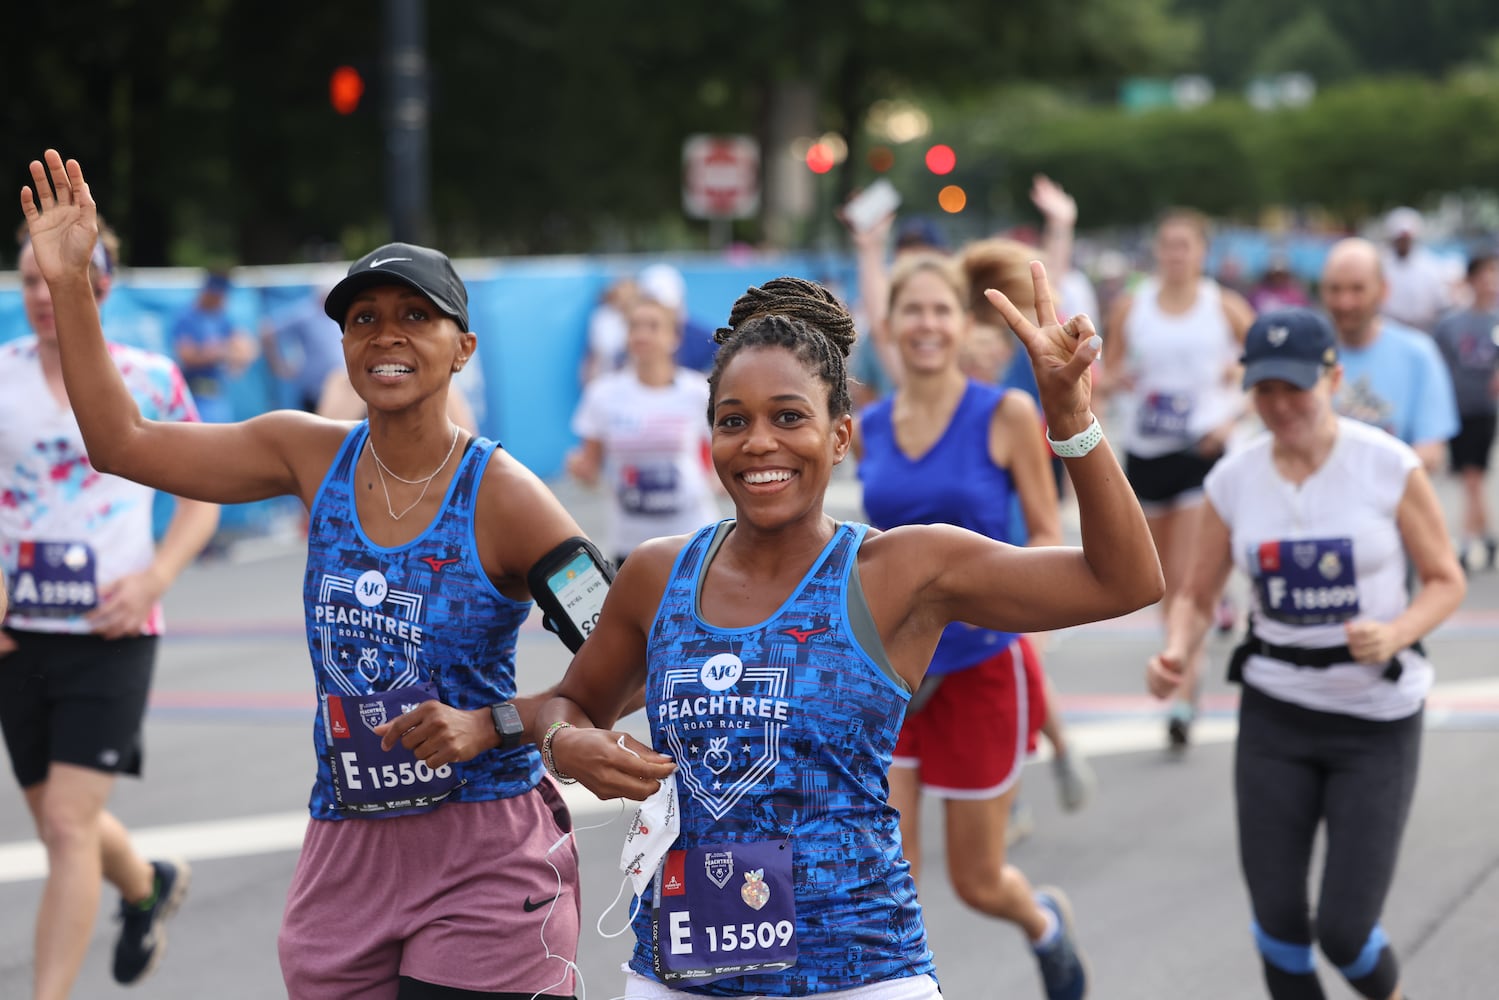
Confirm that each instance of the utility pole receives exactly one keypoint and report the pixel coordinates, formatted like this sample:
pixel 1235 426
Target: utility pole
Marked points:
pixel 407 110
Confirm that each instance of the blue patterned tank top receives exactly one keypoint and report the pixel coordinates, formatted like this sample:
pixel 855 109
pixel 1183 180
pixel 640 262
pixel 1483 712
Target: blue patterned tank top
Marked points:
pixel 796 748
pixel 955 482
pixel 423 616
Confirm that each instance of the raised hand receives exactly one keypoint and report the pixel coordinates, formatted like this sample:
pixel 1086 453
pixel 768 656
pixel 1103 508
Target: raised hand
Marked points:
pixel 1052 201
pixel 60 216
pixel 1061 355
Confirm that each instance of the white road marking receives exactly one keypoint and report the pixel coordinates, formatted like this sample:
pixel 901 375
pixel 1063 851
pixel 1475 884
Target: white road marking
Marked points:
pixel 23 861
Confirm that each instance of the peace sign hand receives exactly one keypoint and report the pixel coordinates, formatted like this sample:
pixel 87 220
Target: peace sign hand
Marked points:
pixel 64 224
pixel 1061 356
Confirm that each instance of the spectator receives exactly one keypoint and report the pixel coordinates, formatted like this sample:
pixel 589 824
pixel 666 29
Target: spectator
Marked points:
pixel 303 346
pixel 664 284
pixel 211 350
pixel 608 331
pixel 1417 282
pixel 1277 289
pixel 1469 342
pixel 1393 376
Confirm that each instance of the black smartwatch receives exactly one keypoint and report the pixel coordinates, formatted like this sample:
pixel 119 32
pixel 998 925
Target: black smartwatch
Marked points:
pixel 508 724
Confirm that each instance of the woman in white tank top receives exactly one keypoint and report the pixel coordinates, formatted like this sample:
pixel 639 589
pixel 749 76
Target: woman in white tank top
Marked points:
pixel 1174 346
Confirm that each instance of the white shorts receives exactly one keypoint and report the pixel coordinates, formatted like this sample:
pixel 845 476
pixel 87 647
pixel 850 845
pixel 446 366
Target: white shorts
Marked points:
pixel 637 987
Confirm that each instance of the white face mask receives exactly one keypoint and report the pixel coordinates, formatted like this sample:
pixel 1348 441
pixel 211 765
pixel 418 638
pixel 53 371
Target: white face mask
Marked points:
pixel 652 832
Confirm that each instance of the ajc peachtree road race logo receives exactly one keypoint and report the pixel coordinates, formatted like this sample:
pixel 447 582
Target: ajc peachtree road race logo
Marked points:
pixel 377 635
pixel 723 723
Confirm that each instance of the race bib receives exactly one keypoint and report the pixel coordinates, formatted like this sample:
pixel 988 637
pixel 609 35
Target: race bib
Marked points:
pixel 1307 582
pixel 724 910
pixel 649 489
pixel 1165 414
pixel 367 779
pixel 54 580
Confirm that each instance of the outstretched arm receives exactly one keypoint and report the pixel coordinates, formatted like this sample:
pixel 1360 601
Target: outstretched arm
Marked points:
pixel 1117 570
pixel 213 462
pixel 1059 222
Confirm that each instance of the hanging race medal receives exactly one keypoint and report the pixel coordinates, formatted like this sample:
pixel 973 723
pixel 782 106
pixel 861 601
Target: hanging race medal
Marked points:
pixel 54 580
pixel 724 910
pixel 1165 414
pixel 1307 582
pixel 367 779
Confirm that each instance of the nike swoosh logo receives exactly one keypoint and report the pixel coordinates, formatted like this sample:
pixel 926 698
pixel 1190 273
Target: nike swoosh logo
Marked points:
pixel 531 907
pixel 386 260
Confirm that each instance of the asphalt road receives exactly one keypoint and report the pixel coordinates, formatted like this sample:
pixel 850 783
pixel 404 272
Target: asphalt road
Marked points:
pixel 1149 864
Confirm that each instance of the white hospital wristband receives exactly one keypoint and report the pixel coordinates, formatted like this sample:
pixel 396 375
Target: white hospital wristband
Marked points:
pixel 1079 444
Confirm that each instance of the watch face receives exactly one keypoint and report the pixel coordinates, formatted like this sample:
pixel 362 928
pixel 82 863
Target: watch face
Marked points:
pixel 507 722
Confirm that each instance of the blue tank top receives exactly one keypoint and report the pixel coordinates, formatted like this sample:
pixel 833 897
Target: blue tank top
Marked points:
pixel 796 747
pixel 955 482
pixel 424 613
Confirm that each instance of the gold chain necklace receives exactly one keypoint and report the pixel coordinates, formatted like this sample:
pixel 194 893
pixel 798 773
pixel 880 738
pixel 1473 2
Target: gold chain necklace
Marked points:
pixel 381 470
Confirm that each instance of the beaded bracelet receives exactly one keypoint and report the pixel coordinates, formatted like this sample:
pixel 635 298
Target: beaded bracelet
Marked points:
pixel 1079 444
pixel 546 753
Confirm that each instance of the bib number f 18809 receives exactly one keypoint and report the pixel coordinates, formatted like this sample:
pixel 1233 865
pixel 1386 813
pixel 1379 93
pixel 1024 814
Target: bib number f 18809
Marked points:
pixel 1307 582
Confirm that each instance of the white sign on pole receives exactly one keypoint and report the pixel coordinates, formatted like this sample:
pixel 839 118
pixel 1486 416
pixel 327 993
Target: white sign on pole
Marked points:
pixel 720 176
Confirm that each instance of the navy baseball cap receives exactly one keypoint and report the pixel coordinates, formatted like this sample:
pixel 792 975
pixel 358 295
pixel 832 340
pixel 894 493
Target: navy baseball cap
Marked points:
pixel 421 268
pixel 1292 345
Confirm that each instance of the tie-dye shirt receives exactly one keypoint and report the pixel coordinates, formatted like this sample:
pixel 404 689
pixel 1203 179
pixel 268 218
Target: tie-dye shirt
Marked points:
pixel 51 495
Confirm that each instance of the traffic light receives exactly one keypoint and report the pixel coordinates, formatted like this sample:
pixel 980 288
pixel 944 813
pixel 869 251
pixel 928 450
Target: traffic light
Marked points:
pixel 820 158
pixel 345 88
pixel 940 159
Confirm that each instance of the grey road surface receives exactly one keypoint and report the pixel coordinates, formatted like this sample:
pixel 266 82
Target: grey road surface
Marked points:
pixel 1149 864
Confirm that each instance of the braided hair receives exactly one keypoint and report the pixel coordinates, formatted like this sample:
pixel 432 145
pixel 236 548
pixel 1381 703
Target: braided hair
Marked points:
pixel 799 316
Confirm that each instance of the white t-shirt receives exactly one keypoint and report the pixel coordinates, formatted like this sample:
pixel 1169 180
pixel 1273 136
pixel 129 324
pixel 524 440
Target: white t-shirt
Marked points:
pixel 1182 366
pixel 655 442
pixel 1418 288
pixel 1318 554
pixel 65 529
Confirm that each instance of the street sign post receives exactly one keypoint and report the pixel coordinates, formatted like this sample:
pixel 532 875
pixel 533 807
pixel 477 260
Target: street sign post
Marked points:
pixel 720 176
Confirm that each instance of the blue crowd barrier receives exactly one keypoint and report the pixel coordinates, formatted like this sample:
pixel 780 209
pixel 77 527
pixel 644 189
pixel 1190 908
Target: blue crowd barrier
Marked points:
pixel 530 315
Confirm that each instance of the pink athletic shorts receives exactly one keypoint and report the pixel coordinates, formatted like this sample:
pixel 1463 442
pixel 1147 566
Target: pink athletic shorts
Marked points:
pixel 971 738
pixel 465 896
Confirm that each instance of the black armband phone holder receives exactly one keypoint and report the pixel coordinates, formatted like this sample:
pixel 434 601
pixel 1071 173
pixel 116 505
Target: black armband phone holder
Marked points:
pixel 569 584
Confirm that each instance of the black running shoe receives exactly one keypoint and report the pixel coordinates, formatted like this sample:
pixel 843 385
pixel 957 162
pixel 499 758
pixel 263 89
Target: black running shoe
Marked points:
pixel 143 936
pixel 1179 727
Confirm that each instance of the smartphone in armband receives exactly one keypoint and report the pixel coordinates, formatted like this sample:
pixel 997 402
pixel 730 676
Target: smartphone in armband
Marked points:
pixel 569 584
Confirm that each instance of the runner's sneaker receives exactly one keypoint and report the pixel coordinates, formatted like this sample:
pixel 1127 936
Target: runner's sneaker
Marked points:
pixel 143 936
pixel 1022 823
pixel 1074 778
pixel 1226 615
pixel 1063 971
pixel 1179 726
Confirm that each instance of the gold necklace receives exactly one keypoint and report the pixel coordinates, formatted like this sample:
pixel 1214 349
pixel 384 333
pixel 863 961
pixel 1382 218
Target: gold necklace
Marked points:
pixel 381 471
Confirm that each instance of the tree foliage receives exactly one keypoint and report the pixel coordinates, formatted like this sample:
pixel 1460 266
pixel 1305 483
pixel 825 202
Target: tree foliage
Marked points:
pixel 207 131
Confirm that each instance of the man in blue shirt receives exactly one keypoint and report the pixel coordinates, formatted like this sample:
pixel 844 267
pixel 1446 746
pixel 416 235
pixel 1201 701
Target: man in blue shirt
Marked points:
pixel 210 350
pixel 1393 376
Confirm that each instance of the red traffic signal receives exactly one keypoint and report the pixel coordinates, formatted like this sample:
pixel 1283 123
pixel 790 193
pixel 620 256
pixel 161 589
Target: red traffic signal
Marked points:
pixel 345 88
pixel 940 159
pixel 819 158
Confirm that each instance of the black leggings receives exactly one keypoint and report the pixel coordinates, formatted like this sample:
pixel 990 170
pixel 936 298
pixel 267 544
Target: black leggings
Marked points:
pixel 1296 769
